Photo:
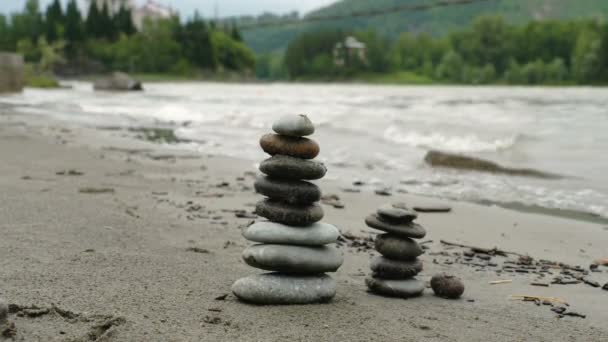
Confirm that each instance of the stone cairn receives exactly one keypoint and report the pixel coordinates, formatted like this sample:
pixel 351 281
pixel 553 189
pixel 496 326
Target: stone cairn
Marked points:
pixel 395 270
pixel 292 243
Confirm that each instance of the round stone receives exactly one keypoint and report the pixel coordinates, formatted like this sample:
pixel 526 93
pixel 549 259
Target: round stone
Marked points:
pixel 3 310
pixel 289 146
pixel 396 247
pixel 286 167
pixel 447 286
pixel 396 288
pixel 317 234
pixel 395 214
pixel 294 125
pixel 411 230
pixel 290 191
pixel 289 214
pixel 395 269
pixel 293 259
pixel 277 288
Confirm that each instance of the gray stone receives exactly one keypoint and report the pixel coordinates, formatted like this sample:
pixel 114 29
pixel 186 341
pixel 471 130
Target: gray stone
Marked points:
pixel 396 247
pixel 411 230
pixel 396 288
pixel 317 234
pixel 277 288
pixel 289 214
pixel 293 259
pixel 447 286
pixel 395 214
pixel 286 167
pixel 290 191
pixel 3 311
pixel 395 269
pixel 289 146
pixel 118 81
pixel 294 125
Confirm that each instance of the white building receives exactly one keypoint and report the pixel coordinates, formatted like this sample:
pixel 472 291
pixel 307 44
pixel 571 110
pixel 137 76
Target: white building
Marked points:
pixel 349 49
pixel 149 10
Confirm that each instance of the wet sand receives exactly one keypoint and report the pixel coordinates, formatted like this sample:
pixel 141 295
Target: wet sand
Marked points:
pixel 136 242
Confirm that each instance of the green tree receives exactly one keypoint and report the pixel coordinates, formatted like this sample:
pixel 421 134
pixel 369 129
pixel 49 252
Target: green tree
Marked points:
pixel 586 57
pixel 123 21
pixel 74 29
pixel 93 23
pixel 195 39
pixel 54 21
pixel 451 67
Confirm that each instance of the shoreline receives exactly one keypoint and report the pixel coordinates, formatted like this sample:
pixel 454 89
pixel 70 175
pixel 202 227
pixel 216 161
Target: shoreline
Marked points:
pixel 152 252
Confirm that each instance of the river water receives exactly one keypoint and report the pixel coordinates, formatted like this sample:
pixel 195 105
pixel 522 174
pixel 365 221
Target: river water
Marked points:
pixel 380 134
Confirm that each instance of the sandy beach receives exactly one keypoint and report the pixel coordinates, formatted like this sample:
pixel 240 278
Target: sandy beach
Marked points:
pixel 109 239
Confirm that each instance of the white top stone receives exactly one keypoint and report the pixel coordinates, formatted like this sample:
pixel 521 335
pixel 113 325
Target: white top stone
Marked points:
pixel 294 125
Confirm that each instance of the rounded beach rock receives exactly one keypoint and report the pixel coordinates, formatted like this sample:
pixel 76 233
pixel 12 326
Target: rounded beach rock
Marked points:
pixel 396 288
pixel 447 286
pixel 276 288
pixel 290 191
pixel 396 247
pixel 294 125
pixel 289 214
pixel 286 167
pixel 395 269
pixel 293 259
pixel 411 230
pixel 392 213
pixel 290 146
pixel 317 234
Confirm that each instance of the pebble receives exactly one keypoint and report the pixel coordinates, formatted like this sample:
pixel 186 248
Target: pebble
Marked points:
pixel 317 234
pixel 411 230
pixel 293 259
pixel 397 247
pixel 447 286
pixel 276 288
pixel 394 269
pixel 289 214
pixel 294 125
pixel 290 191
pixel 3 310
pixel 397 215
pixel 396 288
pixel 286 167
pixel 433 209
pixel 290 146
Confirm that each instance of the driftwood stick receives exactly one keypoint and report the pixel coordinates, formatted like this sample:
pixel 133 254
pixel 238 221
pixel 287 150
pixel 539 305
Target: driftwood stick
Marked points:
pixel 483 250
pixel 548 299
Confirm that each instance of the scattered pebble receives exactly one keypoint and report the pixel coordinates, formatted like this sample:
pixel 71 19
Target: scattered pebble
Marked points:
pixel 197 250
pixel 91 190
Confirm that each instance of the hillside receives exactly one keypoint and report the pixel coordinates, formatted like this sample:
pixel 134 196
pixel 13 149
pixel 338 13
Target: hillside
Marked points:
pixel 436 21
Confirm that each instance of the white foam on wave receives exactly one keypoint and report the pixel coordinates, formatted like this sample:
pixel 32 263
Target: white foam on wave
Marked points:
pixel 455 143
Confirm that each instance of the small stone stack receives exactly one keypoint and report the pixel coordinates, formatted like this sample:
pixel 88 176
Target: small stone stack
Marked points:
pixel 292 243
pixel 394 272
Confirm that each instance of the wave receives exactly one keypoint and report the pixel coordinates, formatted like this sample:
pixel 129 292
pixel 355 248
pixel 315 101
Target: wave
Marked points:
pixel 453 143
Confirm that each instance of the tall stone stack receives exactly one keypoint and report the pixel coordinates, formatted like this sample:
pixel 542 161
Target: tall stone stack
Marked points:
pixel 292 243
pixel 395 270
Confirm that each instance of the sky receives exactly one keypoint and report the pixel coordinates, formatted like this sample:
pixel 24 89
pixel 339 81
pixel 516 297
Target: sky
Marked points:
pixel 206 7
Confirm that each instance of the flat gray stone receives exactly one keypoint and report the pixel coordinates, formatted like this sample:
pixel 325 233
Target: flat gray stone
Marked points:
pixel 277 288
pixel 293 259
pixel 290 191
pixel 397 247
pixel 317 234
pixel 396 214
pixel 395 269
pixel 286 167
pixel 289 214
pixel 294 125
pixel 396 288
pixel 411 230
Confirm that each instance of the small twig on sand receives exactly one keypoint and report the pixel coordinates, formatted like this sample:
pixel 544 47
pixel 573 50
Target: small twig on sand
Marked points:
pixel 496 282
pixel 491 251
pixel 532 298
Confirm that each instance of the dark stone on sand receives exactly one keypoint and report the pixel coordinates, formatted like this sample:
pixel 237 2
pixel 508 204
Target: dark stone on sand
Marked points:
pixel 395 269
pixel 3 311
pixel 447 286
pixel 605 287
pixel 397 247
pixel 290 146
pixel 293 259
pixel 289 214
pixel 411 230
pixel 286 167
pixel 290 191
pixel 433 209
pixel 294 125
pixel 277 288
pixel 461 162
pixel 396 288
pixel 396 214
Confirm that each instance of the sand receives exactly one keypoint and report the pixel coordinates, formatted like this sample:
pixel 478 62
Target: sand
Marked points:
pixel 141 244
